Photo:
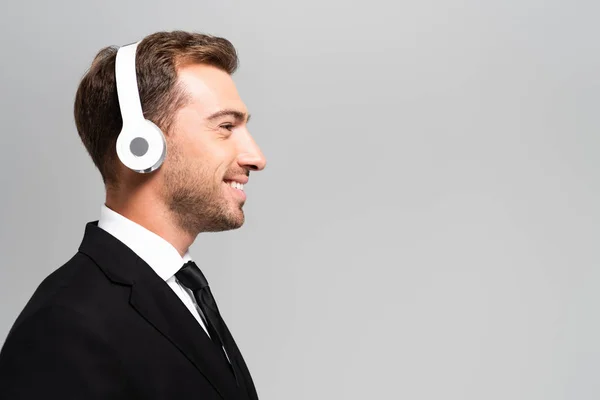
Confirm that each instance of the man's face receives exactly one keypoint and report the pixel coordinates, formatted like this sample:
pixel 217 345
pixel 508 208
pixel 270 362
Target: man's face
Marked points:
pixel 208 147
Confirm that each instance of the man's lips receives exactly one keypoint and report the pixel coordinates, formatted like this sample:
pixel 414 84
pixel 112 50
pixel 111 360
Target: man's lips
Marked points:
pixel 237 188
pixel 239 179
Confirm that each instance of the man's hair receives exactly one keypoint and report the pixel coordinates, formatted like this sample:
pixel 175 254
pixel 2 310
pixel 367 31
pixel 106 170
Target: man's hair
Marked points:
pixel 159 56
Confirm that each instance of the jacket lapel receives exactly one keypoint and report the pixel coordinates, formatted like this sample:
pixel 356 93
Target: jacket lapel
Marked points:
pixel 154 300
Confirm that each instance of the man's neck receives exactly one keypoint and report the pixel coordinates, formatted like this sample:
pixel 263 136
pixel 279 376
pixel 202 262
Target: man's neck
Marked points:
pixel 152 215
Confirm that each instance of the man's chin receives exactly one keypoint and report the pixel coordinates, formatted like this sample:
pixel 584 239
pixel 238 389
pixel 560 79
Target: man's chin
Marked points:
pixel 234 219
pixel 237 220
pixel 224 226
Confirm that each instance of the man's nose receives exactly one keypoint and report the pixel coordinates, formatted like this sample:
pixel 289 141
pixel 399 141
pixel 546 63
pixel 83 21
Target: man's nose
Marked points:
pixel 251 157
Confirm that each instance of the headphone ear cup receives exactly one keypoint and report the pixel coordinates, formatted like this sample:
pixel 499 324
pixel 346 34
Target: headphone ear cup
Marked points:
pixel 142 147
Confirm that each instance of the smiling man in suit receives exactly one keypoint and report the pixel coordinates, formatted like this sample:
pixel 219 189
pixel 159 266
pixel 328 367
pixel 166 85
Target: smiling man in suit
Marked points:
pixel 130 315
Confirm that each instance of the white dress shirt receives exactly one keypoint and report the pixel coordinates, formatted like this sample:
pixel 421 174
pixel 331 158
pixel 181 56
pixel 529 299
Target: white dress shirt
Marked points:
pixel 159 254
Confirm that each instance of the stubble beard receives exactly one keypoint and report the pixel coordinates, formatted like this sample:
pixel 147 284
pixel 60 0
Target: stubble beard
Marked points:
pixel 198 204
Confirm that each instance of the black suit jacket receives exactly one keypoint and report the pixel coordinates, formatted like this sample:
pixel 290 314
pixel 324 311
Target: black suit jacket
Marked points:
pixel 105 326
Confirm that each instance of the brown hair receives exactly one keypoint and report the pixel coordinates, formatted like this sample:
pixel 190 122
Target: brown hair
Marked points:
pixel 158 57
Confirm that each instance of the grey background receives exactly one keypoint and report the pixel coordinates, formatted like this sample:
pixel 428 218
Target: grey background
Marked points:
pixel 427 225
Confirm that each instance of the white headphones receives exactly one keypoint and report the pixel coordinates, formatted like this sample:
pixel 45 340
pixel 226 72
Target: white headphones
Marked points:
pixel 141 145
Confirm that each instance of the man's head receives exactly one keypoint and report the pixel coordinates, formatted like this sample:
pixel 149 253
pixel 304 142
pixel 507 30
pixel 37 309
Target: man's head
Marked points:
pixel 186 89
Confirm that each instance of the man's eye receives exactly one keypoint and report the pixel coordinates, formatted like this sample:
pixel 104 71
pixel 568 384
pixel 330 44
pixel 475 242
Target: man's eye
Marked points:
pixel 229 127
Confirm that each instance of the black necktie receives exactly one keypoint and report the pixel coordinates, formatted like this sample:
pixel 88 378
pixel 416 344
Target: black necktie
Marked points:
pixel 191 277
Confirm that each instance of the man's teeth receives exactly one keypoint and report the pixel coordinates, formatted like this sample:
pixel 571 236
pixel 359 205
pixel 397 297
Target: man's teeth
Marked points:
pixel 236 185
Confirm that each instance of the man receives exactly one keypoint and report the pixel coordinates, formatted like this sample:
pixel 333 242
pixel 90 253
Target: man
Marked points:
pixel 131 316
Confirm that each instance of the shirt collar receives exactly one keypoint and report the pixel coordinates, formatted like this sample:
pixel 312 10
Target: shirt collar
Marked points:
pixel 159 254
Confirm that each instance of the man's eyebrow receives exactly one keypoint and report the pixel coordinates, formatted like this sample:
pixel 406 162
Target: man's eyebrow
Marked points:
pixel 238 115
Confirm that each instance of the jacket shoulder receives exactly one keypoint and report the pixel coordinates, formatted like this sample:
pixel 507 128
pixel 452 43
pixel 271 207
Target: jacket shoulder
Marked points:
pixel 76 285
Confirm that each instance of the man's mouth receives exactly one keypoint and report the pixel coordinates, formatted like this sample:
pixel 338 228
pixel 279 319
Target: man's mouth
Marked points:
pixel 237 188
pixel 235 185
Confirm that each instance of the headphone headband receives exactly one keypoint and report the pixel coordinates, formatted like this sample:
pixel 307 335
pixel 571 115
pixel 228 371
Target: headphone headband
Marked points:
pixel 127 87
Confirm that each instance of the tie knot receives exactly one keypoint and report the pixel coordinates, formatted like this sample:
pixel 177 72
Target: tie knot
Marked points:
pixel 191 276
